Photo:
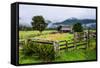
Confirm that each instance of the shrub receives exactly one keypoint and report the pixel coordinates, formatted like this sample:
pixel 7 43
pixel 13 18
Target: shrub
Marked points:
pixel 44 52
pixel 27 48
pixel 80 36
pixel 77 27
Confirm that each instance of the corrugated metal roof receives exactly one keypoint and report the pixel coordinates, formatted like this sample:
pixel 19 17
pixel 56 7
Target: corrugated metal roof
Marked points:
pixel 66 27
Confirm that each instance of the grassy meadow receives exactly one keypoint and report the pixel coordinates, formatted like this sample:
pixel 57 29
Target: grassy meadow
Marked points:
pixel 73 55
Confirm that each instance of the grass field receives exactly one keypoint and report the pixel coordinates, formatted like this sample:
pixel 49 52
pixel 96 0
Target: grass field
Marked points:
pixel 46 35
pixel 30 34
pixel 74 55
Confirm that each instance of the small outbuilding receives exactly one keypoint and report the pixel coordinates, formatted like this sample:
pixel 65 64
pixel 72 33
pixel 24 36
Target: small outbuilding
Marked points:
pixel 65 28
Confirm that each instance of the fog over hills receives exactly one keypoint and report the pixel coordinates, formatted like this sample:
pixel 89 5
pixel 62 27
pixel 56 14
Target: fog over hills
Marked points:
pixel 72 21
pixel 24 23
pixel 58 15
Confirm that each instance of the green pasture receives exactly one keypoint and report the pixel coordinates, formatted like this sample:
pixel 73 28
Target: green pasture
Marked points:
pixel 74 55
pixel 46 35
pixel 30 34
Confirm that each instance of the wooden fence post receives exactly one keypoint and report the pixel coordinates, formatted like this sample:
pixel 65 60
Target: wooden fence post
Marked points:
pixel 75 39
pixel 56 48
pixel 88 39
pixel 66 45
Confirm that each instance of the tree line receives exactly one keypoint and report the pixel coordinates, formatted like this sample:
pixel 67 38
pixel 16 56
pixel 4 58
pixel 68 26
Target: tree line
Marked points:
pixel 38 23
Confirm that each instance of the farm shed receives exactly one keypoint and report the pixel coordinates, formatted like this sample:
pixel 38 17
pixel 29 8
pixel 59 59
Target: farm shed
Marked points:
pixel 66 28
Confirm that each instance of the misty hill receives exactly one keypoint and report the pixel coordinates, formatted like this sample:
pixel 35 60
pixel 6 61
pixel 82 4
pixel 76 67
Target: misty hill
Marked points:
pixel 24 23
pixel 72 21
pixel 89 22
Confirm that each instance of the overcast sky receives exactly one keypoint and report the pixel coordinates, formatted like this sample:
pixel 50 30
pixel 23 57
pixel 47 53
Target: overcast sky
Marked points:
pixel 54 14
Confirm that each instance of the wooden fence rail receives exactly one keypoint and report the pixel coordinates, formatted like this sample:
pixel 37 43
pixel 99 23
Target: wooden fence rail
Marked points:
pixel 57 44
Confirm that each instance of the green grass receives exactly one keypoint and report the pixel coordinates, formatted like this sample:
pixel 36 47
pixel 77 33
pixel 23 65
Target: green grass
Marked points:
pixel 73 55
pixel 77 55
pixel 30 34
pixel 57 37
pixel 45 35
pixel 23 59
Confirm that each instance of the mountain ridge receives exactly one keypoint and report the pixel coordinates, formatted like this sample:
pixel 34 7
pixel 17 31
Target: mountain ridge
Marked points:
pixel 75 20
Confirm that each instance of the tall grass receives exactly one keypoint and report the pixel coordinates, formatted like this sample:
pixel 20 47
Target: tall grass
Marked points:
pixel 33 52
pixel 44 52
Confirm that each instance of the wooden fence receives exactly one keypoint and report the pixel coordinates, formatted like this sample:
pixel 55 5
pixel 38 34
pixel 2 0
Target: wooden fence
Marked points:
pixel 58 45
pixel 63 44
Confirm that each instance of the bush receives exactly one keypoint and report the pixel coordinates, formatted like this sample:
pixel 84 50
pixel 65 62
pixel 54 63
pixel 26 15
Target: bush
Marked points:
pixel 27 48
pixel 77 27
pixel 44 52
pixel 80 36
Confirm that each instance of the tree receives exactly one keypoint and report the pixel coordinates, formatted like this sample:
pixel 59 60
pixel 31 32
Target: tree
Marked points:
pixel 38 23
pixel 77 27
pixel 59 28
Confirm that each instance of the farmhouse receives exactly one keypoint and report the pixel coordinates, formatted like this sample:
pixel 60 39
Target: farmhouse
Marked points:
pixel 66 28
